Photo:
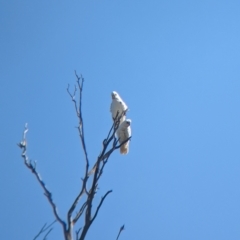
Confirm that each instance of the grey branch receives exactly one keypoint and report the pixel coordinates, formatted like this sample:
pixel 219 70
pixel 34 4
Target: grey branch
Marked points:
pixel 80 212
pixel 78 109
pixel 32 166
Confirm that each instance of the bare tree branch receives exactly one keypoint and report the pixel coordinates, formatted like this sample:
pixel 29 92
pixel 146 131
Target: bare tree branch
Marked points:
pixel 77 233
pixel 43 229
pixel 80 127
pixel 32 166
pixel 89 221
pixel 99 205
pixel 121 229
pixel 80 212
pixel 40 232
pixel 45 237
pixel 78 109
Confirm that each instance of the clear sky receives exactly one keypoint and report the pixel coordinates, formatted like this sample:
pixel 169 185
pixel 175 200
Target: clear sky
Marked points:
pixel 177 66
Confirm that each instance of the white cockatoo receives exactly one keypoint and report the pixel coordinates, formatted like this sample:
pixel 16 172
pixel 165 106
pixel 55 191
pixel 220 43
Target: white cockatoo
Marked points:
pixel 123 133
pixel 118 106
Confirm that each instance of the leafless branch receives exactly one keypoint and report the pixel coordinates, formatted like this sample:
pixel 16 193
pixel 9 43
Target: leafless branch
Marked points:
pixel 88 220
pixel 32 166
pixel 80 212
pixel 80 127
pixel 120 230
pixel 99 205
pixel 45 237
pixel 77 233
pixel 78 109
pixel 40 232
pixel 43 229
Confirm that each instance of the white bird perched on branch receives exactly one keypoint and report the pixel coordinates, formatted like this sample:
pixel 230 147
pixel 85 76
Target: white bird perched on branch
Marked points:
pixel 123 133
pixel 118 107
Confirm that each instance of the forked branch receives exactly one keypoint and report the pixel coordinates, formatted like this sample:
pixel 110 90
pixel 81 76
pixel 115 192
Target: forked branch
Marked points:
pixel 44 229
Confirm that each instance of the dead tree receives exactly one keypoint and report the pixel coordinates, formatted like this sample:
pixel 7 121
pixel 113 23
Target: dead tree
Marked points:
pixel 92 177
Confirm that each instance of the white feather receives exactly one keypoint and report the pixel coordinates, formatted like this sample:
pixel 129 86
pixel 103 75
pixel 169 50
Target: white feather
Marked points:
pixel 118 107
pixel 123 133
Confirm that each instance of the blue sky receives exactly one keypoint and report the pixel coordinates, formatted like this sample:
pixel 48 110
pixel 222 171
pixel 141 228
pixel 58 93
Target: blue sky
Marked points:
pixel 175 63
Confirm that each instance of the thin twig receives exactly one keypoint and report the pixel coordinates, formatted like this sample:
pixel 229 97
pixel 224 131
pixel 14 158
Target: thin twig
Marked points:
pixel 40 232
pixel 74 205
pixel 50 225
pixel 99 205
pixel 89 221
pixel 45 237
pixel 80 212
pixel 80 127
pixel 120 230
pixel 77 233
